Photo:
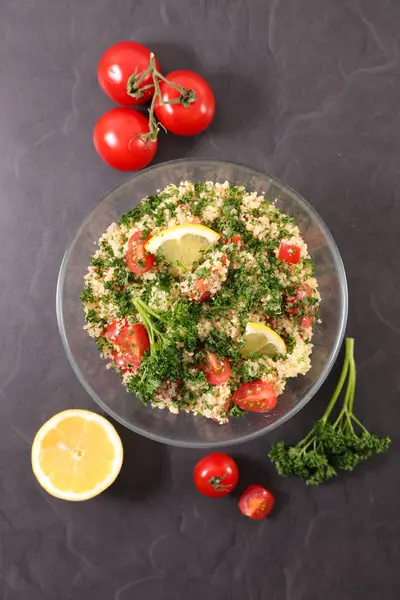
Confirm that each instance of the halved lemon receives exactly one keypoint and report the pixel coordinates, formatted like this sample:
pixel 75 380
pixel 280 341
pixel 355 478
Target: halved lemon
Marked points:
pixel 76 455
pixel 260 338
pixel 183 244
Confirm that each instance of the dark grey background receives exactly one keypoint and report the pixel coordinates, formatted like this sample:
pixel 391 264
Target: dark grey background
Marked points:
pixel 309 91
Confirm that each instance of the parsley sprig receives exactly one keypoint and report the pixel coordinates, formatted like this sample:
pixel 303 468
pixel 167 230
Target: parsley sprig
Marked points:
pixel 331 446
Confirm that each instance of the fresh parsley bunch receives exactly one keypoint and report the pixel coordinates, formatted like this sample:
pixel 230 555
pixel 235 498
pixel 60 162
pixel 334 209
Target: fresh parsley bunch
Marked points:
pixel 331 446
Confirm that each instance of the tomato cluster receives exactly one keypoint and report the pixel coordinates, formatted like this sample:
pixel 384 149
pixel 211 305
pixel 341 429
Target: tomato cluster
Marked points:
pixel 217 474
pixel 182 102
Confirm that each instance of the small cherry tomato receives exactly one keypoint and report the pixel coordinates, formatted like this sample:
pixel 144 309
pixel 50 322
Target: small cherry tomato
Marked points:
pixel 257 396
pixel 133 343
pixel 201 292
pixel 115 138
pixel 256 502
pixel 216 475
pixel 137 259
pixel 218 370
pixel 117 65
pixel 289 253
pixel 193 117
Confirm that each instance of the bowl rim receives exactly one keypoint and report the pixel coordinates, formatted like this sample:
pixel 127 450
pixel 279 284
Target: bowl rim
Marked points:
pixel 249 436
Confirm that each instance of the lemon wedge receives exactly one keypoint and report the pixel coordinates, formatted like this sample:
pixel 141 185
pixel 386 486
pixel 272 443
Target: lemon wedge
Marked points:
pixel 263 339
pixel 76 455
pixel 183 244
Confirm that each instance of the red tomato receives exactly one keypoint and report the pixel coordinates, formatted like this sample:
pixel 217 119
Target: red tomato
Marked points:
pixel 116 66
pixel 191 119
pixel 306 321
pixel 112 330
pixel 216 475
pixel 289 253
pixel 138 260
pixel 293 305
pixel 257 396
pixel 237 240
pixel 303 291
pixel 218 370
pixel 256 502
pixel 120 361
pixel 133 342
pixel 202 292
pixel 114 138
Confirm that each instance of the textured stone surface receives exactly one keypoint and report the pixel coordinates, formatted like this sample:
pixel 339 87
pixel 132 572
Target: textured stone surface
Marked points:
pixel 306 90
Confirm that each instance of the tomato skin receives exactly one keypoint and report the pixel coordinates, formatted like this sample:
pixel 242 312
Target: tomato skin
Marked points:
pixel 217 370
pixel 289 253
pixel 256 502
pixel 136 252
pixel 256 396
pixel 133 342
pixel 215 475
pixel 115 67
pixel 183 120
pixel 113 138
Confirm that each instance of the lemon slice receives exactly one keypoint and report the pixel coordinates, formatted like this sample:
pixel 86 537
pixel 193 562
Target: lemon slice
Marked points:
pixel 183 244
pixel 260 338
pixel 76 455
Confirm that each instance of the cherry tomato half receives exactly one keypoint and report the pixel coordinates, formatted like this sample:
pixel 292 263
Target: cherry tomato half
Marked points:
pixel 256 502
pixel 137 259
pixel 133 342
pixel 218 370
pixel 180 119
pixel 113 329
pixel 257 396
pixel 114 138
pixel 116 66
pixel 289 253
pixel 216 475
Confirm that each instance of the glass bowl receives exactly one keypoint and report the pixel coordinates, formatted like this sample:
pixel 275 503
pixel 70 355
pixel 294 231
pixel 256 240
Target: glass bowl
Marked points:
pixel 104 385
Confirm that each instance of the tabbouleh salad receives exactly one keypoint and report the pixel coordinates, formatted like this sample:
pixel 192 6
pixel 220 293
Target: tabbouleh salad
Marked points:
pixel 203 298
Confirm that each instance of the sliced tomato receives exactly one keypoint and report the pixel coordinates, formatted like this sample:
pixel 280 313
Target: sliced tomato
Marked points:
pixel 113 329
pixel 218 370
pixel 237 240
pixel 257 396
pixel 133 342
pixel 234 239
pixel 201 293
pixel 256 502
pixel 293 304
pixel 138 260
pixel 307 321
pixel 303 291
pixel 120 361
pixel 289 253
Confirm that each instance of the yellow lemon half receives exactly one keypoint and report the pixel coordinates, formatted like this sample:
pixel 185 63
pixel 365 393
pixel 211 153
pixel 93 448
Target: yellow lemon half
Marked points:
pixel 183 244
pixel 76 455
pixel 263 339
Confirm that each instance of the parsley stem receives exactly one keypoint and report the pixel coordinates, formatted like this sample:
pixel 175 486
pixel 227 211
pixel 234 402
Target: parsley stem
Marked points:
pixel 349 355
